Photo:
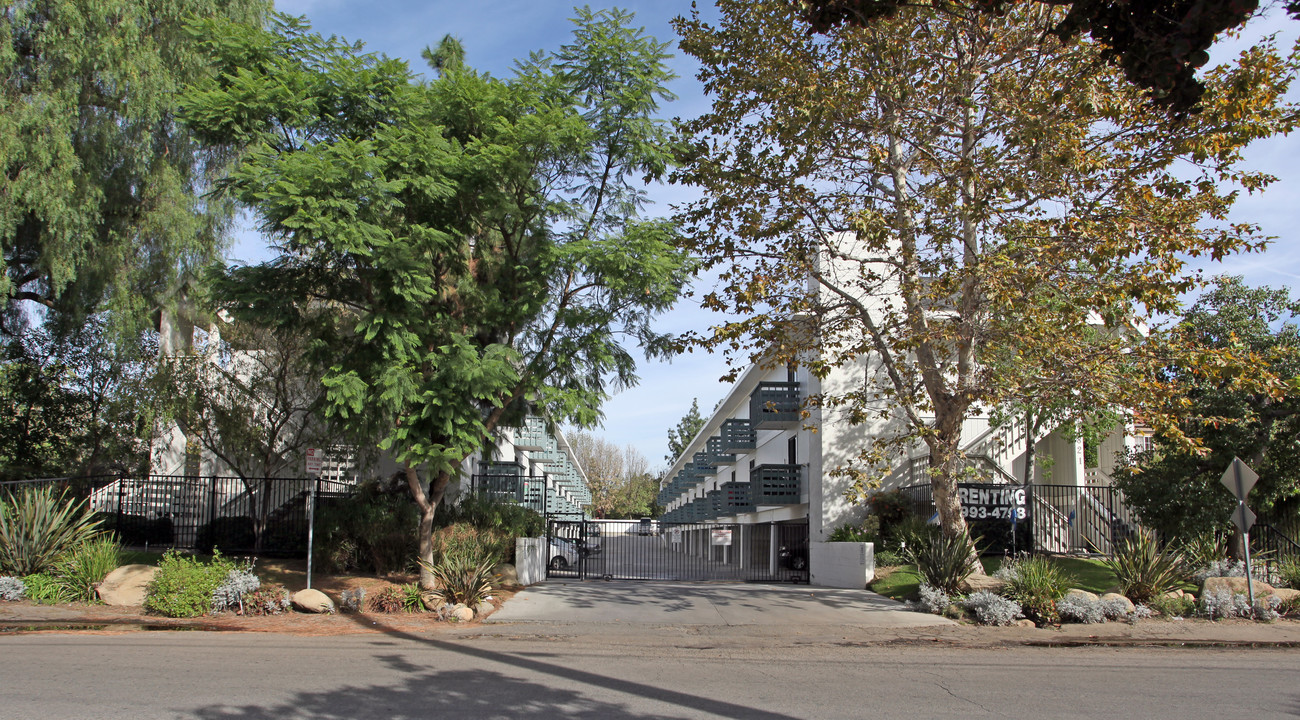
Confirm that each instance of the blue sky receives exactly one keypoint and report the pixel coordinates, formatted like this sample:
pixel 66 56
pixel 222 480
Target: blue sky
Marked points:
pixel 496 32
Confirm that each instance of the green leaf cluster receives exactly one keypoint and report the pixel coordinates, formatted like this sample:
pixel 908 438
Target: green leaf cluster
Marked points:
pixel 456 249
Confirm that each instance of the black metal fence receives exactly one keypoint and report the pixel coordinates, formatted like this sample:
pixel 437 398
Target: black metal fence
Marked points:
pixel 1274 542
pixel 633 550
pixel 236 515
pixel 1039 518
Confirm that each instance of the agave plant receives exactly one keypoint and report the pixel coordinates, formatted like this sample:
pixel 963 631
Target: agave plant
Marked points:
pixel 37 526
pixel 1145 569
pixel 942 561
pixel 462 580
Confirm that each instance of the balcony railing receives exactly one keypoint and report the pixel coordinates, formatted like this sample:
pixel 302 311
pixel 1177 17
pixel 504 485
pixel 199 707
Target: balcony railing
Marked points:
pixel 777 484
pixel 713 449
pixel 532 436
pixel 704 465
pixel 774 405
pixel 737 435
pixel 737 498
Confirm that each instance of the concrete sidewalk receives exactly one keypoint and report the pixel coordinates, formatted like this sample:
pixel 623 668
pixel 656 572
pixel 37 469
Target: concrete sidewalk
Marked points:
pixel 729 604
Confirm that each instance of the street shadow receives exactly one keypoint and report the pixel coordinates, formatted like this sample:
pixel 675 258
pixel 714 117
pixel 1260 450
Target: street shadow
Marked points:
pixel 424 693
pixel 480 693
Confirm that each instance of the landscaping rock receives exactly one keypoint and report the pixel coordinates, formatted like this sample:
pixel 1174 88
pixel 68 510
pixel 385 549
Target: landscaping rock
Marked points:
pixel 126 585
pixel 1084 594
pixel 1235 585
pixel 975 583
pixel 1285 594
pixel 484 608
pixel 462 613
pixel 1024 623
pixel 432 601
pixel 505 574
pixel 1128 604
pixel 1174 593
pixel 312 601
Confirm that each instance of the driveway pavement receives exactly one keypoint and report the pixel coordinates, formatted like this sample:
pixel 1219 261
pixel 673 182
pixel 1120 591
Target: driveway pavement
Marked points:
pixel 661 603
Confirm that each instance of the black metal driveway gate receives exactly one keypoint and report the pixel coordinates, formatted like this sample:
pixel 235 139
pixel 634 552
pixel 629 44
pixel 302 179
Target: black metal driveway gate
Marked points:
pixel 633 550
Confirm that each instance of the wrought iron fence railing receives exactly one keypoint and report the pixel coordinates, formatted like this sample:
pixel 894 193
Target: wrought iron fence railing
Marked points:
pixel 199 512
pixel 1056 518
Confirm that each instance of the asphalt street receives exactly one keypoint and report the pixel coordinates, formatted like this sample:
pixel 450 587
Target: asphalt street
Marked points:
pixel 622 672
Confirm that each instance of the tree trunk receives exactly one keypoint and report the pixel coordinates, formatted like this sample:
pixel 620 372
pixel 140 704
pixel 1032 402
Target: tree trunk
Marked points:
pixel 428 506
pixel 945 470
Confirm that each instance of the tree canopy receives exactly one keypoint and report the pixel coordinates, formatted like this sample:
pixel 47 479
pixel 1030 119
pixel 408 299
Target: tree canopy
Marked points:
pixel 960 208
pixel 1159 44
pixel 1177 491
pixel 457 250
pixel 101 194
pixel 680 437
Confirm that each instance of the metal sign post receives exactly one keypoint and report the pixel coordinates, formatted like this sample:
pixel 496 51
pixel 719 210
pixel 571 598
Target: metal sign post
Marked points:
pixel 1239 479
pixel 313 475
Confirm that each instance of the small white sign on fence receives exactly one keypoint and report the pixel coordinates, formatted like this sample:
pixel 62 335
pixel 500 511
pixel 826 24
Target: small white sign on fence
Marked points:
pixel 314 458
pixel 722 536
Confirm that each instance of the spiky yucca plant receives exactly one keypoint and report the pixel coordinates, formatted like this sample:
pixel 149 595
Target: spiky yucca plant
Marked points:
pixel 37 526
pixel 942 561
pixel 462 580
pixel 1144 569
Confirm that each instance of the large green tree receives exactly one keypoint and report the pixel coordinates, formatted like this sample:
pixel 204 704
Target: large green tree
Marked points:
pixel 458 249
pixel 1176 491
pixel 76 404
pixel 100 194
pixel 958 206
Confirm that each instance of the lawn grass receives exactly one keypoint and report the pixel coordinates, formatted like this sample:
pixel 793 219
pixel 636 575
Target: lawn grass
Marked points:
pixel 1084 573
pixel 140 557
pixel 903 582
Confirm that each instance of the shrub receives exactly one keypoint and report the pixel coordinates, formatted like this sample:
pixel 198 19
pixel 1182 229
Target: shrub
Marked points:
pixel 412 600
pixel 269 599
pixel 371 530
pixel 1288 573
pixel 388 599
pixel 891 506
pixel 992 609
pixel 1290 608
pixel 463 580
pixel 1226 567
pixel 1173 606
pixel 1144 569
pixel 83 569
pixel 1219 604
pixel 1080 609
pixel 12 588
pixel 507 520
pixel 45 588
pixel 932 600
pixel 1037 583
pixel 1205 548
pixel 470 543
pixel 229 595
pixel 37 526
pixel 184 585
pixel 942 561
pixel 889 558
pixel 850 533
pixel 910 531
